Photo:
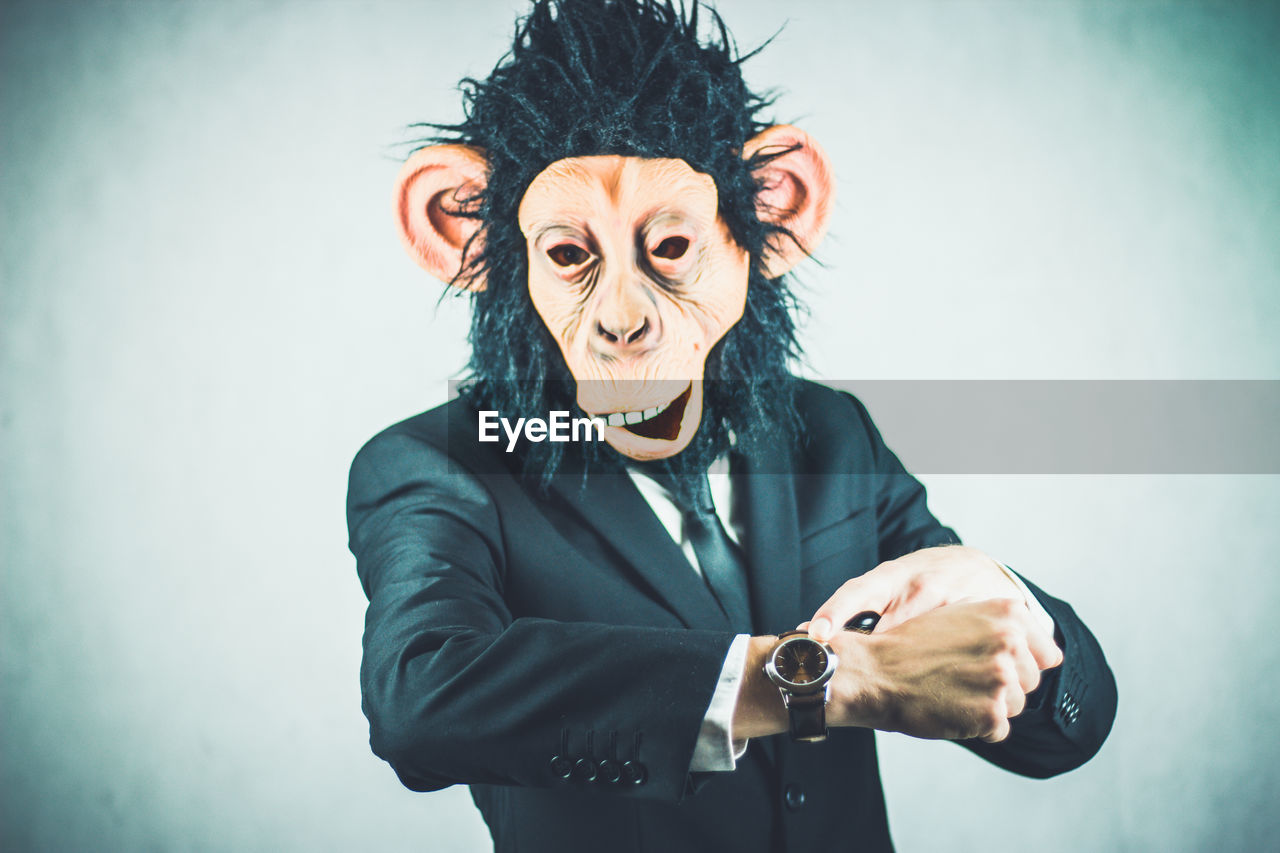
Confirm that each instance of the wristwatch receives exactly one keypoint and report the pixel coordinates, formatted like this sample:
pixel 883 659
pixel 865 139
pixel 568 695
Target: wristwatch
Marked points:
pixel 802 668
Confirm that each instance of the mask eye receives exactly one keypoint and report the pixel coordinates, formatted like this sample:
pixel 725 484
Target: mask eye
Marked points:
pixel 567 255
pixel 672 248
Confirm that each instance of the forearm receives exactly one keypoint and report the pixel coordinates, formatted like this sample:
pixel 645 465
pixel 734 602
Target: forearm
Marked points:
pixel 451 706
pixel 954 672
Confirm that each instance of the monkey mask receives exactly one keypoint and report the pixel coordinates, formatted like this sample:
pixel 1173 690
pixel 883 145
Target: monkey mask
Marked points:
pixel 630 260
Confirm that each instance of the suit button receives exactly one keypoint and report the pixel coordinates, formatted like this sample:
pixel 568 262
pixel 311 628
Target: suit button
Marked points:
pixel 793 796
pixel 561 767
pixel 633 773
pixel 610 771
pixel 584 770
pixel 1070 710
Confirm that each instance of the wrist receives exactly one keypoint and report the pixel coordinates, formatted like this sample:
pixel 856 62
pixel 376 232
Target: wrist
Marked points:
pixel 857 690
pixel 760 710
pixel 802 667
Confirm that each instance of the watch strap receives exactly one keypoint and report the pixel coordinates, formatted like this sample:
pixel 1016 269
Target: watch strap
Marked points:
pixel 808 713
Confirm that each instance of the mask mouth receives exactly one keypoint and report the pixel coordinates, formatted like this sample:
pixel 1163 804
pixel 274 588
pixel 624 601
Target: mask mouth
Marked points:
pixel 659 431
pixel 656 422
pixel 665 424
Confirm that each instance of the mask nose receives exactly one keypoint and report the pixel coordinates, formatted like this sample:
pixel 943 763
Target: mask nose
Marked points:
pixel 626 322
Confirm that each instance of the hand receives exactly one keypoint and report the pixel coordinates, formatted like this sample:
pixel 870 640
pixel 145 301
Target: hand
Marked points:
pixel 904 588
pixel 959 671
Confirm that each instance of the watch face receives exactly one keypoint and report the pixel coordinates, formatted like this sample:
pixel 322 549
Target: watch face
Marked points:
pixel 801 661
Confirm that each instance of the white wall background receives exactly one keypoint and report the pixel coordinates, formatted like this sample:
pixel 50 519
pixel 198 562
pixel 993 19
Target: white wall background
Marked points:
pixel 206 312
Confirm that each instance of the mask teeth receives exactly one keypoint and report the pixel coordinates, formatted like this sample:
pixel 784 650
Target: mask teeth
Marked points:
pixel 620 418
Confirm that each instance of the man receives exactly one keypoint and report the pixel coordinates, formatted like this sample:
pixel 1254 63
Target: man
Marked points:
pixel 595 634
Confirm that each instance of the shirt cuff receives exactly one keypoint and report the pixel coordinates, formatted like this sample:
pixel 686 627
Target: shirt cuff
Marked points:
pixel 1042 617
pixel 715 749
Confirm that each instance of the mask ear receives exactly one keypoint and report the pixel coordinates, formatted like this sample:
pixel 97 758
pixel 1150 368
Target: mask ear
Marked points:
pixel 436 186
pixel 796 192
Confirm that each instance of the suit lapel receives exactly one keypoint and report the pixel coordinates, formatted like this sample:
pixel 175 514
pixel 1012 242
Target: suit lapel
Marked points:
pixel 616 510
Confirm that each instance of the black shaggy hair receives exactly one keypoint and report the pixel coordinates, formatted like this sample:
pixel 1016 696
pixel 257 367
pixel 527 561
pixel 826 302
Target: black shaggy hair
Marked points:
pixel 634 78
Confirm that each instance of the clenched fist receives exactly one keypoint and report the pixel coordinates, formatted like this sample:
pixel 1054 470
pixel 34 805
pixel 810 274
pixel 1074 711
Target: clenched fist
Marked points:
pixel 956 671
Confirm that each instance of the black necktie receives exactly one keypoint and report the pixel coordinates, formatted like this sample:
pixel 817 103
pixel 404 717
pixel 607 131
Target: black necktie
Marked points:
pixel 721 562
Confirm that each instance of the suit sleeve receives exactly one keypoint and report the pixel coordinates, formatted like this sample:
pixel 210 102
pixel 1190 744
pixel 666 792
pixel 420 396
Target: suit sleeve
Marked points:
pixel 1070 713
pixel 903 520
pixel 456 690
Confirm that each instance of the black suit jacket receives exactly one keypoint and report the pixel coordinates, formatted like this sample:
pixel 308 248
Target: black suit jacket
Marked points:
pixel 505 628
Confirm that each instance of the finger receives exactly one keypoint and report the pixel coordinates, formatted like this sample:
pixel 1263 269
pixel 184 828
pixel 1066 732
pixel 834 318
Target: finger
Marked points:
pixel 864 623
pixel 1045 651
pixel 1019 639
pixel 1015 700
pixel 1027 668
pixel 1012 694
pixel 868 592
pixel 999 733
